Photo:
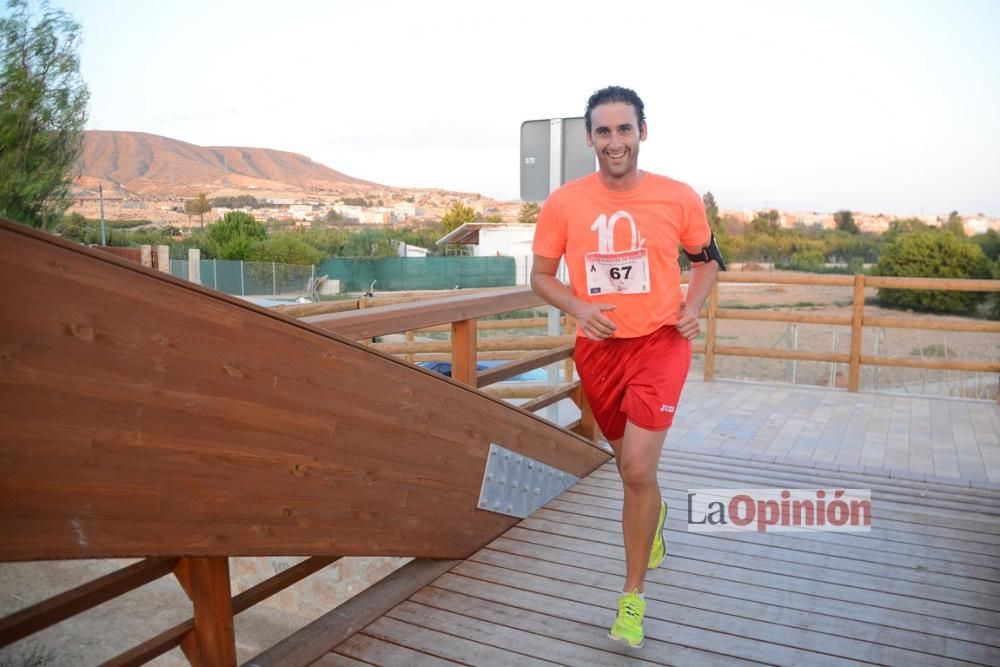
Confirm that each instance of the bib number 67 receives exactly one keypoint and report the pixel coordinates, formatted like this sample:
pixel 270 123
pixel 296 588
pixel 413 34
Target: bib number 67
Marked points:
pixel 616 272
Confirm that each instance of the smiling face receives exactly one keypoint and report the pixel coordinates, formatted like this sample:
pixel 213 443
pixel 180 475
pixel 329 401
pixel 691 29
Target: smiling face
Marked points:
pixel 615 135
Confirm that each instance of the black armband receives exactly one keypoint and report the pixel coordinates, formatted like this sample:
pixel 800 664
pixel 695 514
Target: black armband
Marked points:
pixel 708 253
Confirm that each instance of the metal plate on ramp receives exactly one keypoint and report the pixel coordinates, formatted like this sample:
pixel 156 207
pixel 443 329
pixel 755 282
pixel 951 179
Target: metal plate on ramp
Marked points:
pixel 517 485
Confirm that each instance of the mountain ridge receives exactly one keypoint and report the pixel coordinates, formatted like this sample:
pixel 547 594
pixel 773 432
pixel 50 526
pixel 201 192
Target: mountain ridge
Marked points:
pixel 142 164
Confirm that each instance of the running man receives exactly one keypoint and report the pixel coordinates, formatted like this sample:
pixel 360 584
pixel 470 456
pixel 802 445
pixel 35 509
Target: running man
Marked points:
pixel 620 230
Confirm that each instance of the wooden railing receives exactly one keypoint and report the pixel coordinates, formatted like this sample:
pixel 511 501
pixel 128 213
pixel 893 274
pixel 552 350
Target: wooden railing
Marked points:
pixel 856 321
pixel 406 318
pixel 461 315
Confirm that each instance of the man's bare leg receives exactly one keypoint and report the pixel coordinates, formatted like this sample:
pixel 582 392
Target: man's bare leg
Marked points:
pixel 637 455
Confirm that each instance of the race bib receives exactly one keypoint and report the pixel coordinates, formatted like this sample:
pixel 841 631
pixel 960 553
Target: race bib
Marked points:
pixel 617 272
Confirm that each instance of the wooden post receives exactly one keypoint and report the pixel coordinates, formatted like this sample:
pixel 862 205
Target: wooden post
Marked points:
pixel 409 346
pixel 569 329
pixel 588 425
pixel 463 352
pixel 713 305
pixel 857 322
pixel 212 643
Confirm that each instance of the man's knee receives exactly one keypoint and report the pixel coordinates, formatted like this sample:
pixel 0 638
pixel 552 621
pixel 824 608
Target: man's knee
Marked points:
pixel 637 474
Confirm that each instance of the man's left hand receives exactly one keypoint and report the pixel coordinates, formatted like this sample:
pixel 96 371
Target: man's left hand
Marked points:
pixel 687 322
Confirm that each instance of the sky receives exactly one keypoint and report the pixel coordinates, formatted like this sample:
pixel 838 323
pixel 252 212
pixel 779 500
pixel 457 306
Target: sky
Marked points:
pixel 811 105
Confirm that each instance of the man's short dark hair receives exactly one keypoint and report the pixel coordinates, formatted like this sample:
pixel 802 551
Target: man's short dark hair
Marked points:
pixel 615 94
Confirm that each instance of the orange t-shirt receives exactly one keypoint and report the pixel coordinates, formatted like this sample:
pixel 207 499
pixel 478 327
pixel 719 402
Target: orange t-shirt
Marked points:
pixel 622 248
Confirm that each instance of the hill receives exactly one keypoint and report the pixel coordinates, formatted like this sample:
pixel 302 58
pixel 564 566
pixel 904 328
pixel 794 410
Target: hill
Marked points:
pixel 147 165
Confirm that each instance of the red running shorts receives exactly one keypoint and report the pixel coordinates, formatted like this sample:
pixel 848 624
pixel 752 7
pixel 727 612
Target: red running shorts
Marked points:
pixel 634 379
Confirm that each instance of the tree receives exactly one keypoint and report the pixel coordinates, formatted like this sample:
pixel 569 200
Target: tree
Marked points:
pixel 712 213
pixel 845 222
pixel 234 235
pixel 43 108
pixel 901 226
pixel 953 225
pixel 990 243
pixel 766 222
pixel 529 213
pixel 931 254
pixel 457 215
pixel 198 206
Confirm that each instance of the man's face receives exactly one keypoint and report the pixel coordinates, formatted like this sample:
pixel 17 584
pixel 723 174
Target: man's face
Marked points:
pixel 615 135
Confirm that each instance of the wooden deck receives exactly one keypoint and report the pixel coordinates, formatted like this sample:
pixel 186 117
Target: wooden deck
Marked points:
pixel 922 588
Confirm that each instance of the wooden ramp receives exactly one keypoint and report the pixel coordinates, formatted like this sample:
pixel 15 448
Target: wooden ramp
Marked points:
pixel 922 588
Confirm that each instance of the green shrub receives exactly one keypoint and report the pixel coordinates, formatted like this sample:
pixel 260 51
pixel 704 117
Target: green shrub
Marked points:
pixel 932 255
pixel 285 250
pixel 807 260
pixel 233 236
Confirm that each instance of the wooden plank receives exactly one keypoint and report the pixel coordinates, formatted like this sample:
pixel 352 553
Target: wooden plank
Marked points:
pixel 957 489
pixel 948 548
pixel 857 319
pixel 588 422
pixel 378 652
pixel 430 312
pixel 491 344
pixel 213 640
pixel 500 634
pixel 723 613
pixel 691 627
pixel 48 612
pixel 779 316
pixel 797 550
pixel 785 278
pixel 463 352
pixel 932 324
pixel 169 639
pixel 326 632
pixel 932 600
pixel 769 353
pixel 711 331
pixel 210 441
pixel 829 621
pixel 938 489
pixel 578 622
pixel 280 582
pixel 335 660
pixel 956 284
pixel 506 371
pixel 935 364
pixel 722 568
pixel 953 501
pixel 733 583
pixel 899 520
pixel 837 544
pixel 558 394
pixel 173 637
pixel 448 646
pixel 900 487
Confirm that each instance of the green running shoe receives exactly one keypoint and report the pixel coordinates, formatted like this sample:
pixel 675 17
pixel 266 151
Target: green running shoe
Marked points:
pixel 659 549
pixel 628 626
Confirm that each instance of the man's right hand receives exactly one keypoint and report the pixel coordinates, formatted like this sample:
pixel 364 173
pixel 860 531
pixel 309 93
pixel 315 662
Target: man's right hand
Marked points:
pixel 593 322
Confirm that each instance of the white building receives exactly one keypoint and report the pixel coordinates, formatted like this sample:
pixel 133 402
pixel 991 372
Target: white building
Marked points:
pixel 497 240
pixel 407 250
pixel 301 211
